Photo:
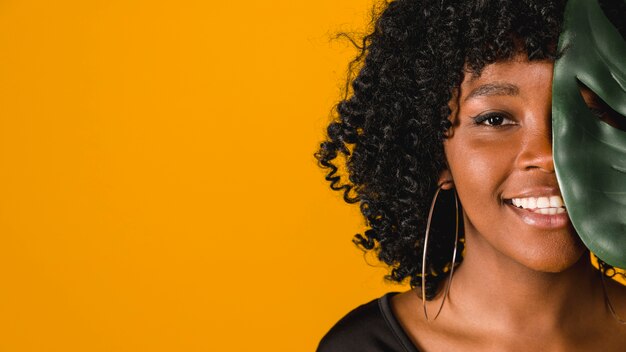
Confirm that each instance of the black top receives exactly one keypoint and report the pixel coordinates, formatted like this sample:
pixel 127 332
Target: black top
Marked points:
pixel 371 327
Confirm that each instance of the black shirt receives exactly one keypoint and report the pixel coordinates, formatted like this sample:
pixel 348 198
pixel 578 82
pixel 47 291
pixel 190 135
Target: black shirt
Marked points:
pixel 371 327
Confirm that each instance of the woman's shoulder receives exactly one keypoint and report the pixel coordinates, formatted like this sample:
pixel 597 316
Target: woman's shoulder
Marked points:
pixel 371 327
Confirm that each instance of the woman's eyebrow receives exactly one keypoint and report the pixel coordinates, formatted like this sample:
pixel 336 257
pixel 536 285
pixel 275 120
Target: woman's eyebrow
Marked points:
pixel 493 89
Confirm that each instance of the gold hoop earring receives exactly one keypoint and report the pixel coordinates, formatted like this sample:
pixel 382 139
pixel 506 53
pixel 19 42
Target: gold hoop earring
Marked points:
pixel 456 240
pixel 607 301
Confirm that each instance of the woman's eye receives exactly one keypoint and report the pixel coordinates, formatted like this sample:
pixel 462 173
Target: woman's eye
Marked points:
pixel 610 116
pixel 598 112
pixel 601 109
pixel 493 119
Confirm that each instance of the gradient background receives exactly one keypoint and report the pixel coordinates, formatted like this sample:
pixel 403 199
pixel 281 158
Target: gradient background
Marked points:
pixel 158 190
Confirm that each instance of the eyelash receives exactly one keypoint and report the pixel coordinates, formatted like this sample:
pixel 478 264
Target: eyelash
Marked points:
pixel 480 119
pixel 596 111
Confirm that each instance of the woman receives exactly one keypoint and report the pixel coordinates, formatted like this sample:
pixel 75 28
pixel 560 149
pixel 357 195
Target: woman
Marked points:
pixel 447 138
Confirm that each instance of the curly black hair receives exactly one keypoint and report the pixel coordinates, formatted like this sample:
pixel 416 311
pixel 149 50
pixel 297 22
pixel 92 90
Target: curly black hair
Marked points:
pixel 389 129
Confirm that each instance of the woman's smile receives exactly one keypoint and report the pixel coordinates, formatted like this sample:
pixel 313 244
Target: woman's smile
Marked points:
pixel 545 212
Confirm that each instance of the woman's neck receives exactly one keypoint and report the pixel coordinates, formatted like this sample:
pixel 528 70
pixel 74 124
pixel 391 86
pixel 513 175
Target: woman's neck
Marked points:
pixel 497 291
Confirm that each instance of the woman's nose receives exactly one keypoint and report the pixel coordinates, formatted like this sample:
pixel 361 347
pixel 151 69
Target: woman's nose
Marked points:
pixel 536 148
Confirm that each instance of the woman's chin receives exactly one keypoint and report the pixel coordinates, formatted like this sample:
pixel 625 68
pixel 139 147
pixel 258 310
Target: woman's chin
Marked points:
pixel 556 262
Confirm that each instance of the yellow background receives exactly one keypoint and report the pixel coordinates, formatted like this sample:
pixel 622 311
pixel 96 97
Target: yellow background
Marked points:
pixel 158 190
pixel 157 186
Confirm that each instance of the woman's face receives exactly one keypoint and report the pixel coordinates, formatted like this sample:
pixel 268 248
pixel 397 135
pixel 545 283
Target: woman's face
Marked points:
pixel 499 154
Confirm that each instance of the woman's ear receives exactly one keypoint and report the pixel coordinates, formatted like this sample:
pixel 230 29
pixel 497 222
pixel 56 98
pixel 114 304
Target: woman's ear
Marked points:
pixel 445 180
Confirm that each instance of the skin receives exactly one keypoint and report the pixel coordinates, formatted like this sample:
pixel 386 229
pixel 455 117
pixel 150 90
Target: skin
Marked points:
pixel 526 283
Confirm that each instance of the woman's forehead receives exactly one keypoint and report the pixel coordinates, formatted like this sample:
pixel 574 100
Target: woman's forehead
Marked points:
pixel 507 78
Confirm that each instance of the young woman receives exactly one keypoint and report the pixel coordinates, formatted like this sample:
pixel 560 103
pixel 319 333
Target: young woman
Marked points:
pixel 447 135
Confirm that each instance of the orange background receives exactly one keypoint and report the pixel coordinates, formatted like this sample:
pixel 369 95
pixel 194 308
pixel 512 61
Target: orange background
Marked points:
pixel 158 190
pixel 157 186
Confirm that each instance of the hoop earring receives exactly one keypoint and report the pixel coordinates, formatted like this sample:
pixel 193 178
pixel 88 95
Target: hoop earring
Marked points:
pixel 456 240
pixel 607 301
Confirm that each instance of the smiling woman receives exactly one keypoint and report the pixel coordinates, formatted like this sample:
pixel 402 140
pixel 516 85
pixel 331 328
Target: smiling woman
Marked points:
pixel 457 97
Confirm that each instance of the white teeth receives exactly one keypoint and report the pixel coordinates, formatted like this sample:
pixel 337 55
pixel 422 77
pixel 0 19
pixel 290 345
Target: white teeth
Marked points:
pixel 543 202
pixel 542 205
pixel 549 211
pixel 556 202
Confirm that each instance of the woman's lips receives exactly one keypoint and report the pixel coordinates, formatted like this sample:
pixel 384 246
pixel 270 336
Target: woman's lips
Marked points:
pixel 543 221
